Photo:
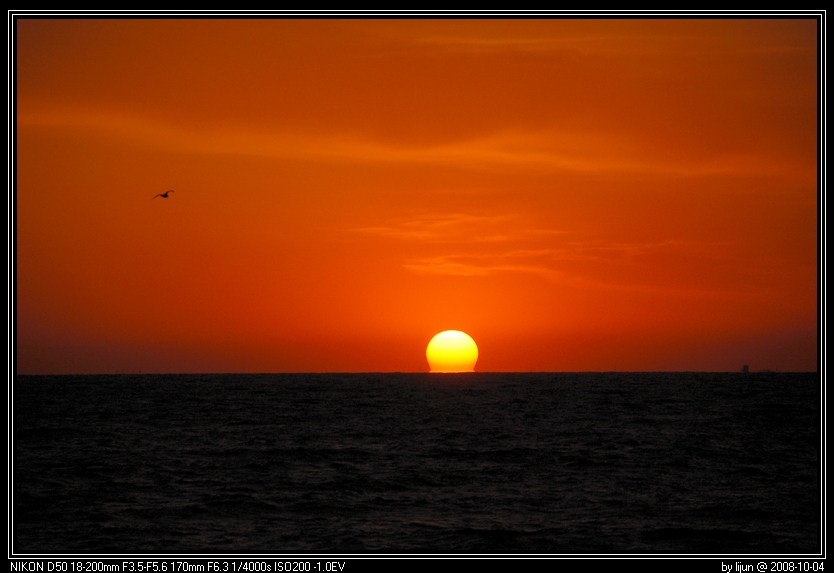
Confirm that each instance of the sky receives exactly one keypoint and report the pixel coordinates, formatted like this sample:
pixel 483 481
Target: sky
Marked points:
pixel 576 195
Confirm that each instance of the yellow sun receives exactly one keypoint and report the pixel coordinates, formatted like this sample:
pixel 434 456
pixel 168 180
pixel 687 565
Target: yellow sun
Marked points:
pixel 452 351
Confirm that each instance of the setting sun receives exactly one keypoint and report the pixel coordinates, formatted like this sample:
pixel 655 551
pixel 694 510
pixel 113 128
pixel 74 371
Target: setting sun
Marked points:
pixel 452 351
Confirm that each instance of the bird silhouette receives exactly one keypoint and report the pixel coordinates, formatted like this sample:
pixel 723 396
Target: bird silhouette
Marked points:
pixel 163 195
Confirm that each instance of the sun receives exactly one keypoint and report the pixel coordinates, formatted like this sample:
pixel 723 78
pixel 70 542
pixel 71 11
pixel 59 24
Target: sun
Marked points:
pixel 452 351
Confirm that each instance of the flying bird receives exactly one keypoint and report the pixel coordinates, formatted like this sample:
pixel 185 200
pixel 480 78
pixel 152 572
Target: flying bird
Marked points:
pixel 163 195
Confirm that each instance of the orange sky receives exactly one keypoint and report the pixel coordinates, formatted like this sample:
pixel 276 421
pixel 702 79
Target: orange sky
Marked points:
pixel 575 194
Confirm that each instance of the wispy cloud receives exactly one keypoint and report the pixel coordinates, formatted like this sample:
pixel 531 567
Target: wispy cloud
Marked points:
pixel 450 227
pixel 589 264
pixel 552 244
pixel 622 46
pixel 616 250
pixel 484 265
pixel 474 232
pixel 571 151
pixel 600 38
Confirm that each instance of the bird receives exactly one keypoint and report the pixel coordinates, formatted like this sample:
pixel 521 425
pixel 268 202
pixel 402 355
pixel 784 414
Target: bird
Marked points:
pixel 163 195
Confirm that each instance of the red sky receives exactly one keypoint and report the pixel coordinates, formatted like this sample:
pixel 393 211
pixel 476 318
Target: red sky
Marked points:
pixel 577 195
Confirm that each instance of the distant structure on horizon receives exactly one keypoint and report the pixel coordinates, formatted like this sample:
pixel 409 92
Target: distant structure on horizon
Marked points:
pixel 745 369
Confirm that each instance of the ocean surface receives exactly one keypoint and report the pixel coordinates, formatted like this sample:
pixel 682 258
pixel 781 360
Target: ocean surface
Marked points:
pixel 479 463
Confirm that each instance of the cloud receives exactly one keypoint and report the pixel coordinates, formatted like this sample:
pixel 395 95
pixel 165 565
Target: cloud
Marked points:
pixel 610 250
pixel 485 245
pixel 640 39
pixel 566 151
pixel 445 227
pixel 596 265
pixel 620 46
pixel 481 265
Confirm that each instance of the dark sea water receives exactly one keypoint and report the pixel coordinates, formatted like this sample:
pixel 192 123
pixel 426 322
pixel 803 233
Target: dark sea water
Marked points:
pixel 603 463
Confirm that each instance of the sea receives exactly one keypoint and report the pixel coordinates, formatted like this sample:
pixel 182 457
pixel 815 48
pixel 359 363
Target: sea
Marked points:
pixel 417 464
